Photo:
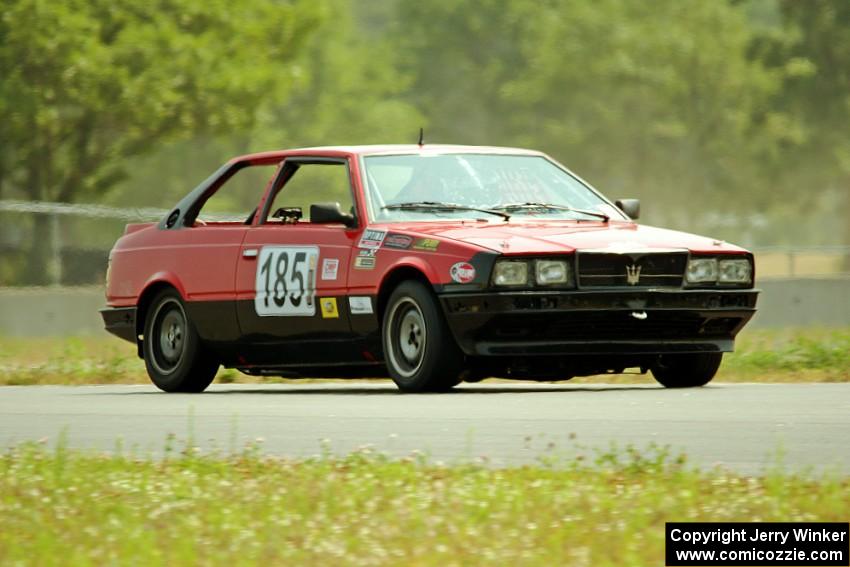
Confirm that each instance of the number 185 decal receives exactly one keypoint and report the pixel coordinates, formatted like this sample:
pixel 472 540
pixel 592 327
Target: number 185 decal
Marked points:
pixel 286 280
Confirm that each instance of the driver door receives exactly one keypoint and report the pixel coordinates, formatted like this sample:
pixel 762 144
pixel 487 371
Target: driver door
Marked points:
pixel 292 273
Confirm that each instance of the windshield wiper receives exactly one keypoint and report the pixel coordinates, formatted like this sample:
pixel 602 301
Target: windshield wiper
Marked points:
pixel 437 206
pixel 550 206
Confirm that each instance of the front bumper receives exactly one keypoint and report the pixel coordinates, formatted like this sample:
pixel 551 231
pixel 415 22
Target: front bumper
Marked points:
pixel 120 321
pixel 615 322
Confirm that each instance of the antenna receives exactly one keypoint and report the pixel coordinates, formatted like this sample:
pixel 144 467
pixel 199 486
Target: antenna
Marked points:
pixel 421 137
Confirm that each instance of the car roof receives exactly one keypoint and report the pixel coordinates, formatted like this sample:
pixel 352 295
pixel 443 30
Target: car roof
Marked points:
pixel 382 149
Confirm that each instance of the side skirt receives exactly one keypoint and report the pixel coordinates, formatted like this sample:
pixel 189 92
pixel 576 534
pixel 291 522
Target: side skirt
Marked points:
pixel 341 370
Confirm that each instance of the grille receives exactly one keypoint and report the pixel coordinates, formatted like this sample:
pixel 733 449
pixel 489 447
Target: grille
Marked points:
pixel 660 269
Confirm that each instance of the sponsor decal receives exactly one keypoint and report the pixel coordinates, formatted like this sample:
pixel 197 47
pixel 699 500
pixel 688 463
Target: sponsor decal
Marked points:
pixel 359 305
pixel 329 310
pixel 400 241
pixel 429 244
pixel 367 253
pixel 330 268
pixel 372 238
pixel 462 272
pixel 364 263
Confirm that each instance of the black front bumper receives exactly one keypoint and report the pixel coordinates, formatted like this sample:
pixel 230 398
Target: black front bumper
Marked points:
pixel 615 322
pixel 120 321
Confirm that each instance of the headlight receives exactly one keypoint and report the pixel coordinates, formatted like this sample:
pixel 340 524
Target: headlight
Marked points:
pixel 735 271
pixel 552 272
pixel 510 272
pixel 702 270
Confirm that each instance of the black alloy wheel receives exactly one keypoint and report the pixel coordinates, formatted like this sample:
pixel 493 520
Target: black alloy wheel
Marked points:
pixel 420 351
pixel 174 356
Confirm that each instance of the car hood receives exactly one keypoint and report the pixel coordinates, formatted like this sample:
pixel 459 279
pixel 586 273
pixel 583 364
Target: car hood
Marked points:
pixel 556 237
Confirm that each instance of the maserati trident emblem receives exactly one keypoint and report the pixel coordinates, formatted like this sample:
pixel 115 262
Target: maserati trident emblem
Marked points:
pixel 632 274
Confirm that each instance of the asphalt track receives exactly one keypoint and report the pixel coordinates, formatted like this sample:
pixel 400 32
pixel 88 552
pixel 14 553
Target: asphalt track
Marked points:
pixel 745 427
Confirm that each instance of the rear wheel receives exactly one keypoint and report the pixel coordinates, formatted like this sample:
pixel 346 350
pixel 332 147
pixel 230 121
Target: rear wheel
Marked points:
pixel 174 356
pixel 686 370
pixel 420 352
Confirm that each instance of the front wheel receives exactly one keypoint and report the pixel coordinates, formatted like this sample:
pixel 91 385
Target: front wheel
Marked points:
pixel 686 370
pixel 174 356
pixel 420 352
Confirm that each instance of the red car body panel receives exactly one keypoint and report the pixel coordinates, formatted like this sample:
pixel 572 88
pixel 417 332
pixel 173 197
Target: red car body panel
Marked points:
pixel 215 267
pixel 200 263
pixel 553 237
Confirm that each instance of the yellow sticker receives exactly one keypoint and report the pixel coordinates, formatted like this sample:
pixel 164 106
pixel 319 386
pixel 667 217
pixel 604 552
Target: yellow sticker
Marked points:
pixel 329 310
pixel 364 263
pixel 429 244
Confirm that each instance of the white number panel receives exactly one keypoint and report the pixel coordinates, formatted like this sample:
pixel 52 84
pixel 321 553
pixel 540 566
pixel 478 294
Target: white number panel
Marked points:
pixel 286 281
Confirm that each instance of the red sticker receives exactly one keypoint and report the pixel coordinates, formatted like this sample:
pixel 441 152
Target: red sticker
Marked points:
pixel 462 272
pixel 400 241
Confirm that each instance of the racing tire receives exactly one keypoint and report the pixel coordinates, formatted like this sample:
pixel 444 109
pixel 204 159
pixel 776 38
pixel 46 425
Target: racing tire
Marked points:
pixel 420 352
pixel 174 356
pixel 686 370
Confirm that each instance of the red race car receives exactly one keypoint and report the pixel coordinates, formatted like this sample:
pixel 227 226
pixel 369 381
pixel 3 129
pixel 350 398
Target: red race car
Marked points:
pixel 435 264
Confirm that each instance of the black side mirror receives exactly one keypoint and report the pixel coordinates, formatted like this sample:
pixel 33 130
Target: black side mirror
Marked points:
pixel 629 206
pixel 325 213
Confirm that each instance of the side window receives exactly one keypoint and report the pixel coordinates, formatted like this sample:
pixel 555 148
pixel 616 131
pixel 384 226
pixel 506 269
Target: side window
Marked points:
pixel 236 199
pixel 312 183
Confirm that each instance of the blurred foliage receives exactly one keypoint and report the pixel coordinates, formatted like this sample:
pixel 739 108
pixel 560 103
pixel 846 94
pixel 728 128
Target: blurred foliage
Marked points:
pixel 348 91
pixel 819 94
pixel 727 117
pixel 662 100
pixel 87 84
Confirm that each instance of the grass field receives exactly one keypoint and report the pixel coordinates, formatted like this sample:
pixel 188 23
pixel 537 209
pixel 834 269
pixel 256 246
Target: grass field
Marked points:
pixel 72 508
pixel 794 355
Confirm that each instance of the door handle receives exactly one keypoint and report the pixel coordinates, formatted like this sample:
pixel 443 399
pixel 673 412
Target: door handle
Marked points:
pixel 249 253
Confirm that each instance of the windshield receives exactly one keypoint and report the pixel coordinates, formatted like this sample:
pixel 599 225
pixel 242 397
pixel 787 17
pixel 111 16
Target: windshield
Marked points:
pixel 409 187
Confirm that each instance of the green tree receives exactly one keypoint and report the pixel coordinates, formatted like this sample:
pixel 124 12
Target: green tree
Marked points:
pixel 816 38
pixel 85 84
pixel 346 89
pixel 658 99
pixel 351 89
